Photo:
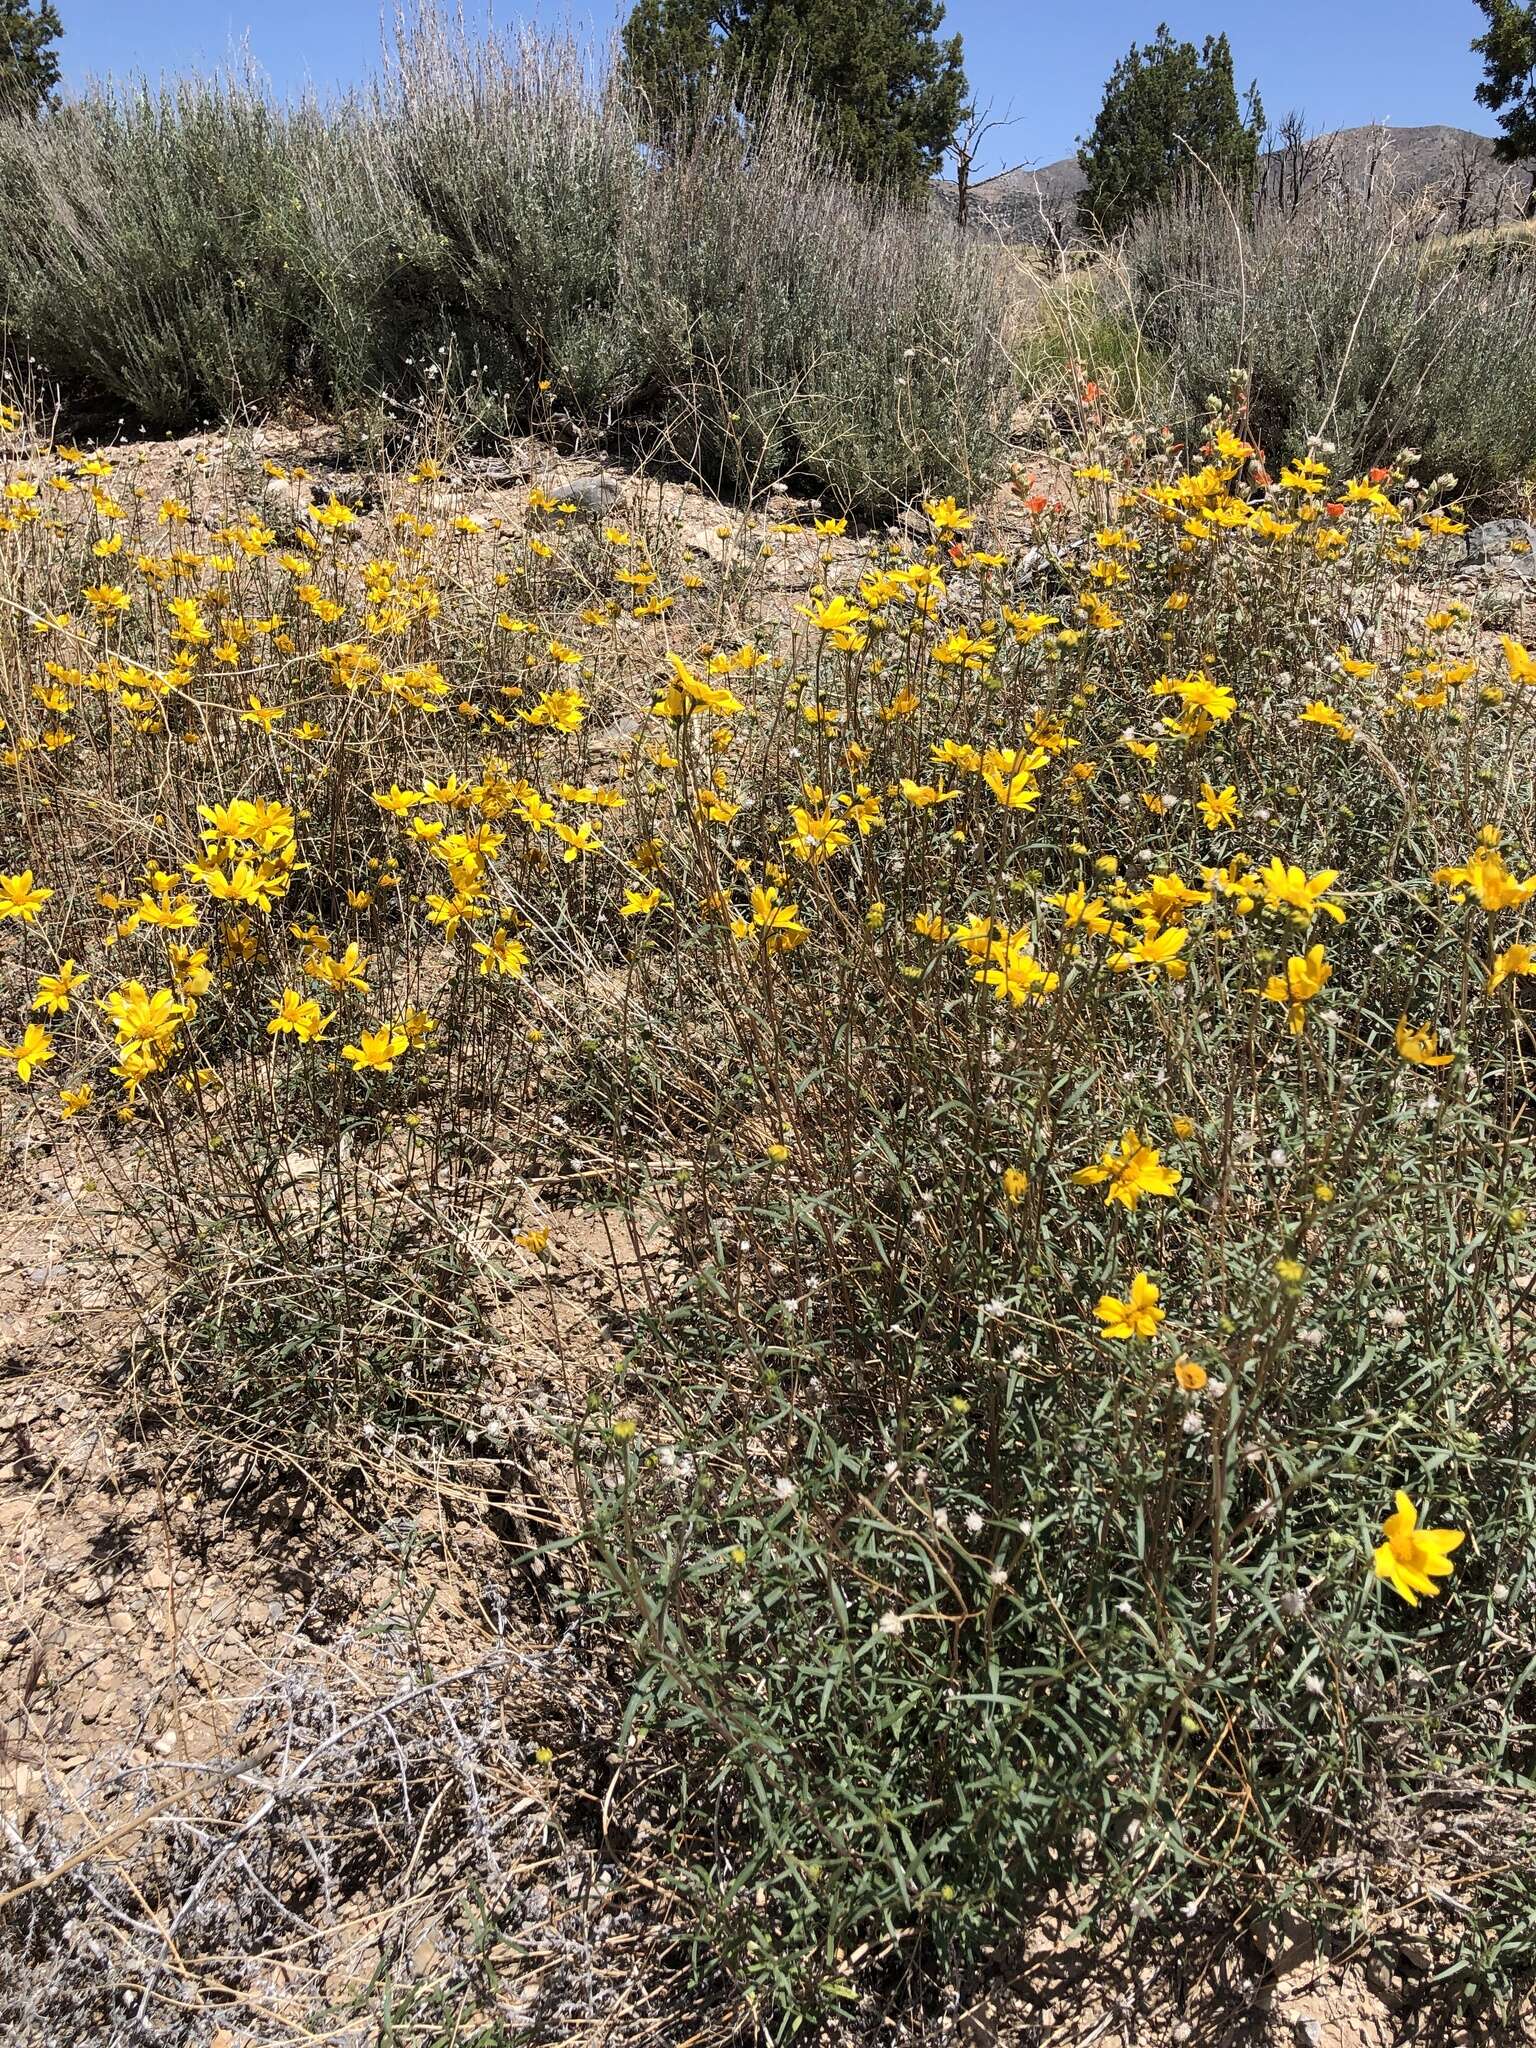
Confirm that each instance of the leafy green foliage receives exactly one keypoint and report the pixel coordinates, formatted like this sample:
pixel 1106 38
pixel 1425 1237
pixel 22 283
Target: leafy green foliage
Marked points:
pixel 29 65
pixel 1165 108
pixel 1508 89
pixel 889 90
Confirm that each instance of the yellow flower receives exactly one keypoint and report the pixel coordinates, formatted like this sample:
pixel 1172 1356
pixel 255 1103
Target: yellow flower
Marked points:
pixel 338 972
pixel 1100 615
pixel 34 1051
pixel 923 795
pixel 560 710
pixel 1304 476
pixel 21 897
pixel 1167 897
pixel 1190 1375
pixel 1484 875
pixel 1156 950
pixel 1290 888
pixel 1359 671
pixel 1009 772
pixel 1319 713
pixel 144 1021
pixel 1306 975
pixel 639 902
pixel 1214 702
pixel 1138 1315
pixel 1516 959
pixel 258 885
pixel 817 834
pixel 1412 1559
pixel 1027 626
pixel 502 954
pixel 300 1015
pixel 1015 1185
pixel 576 839
pixel 1131 1172
pixel 397 801
pixel 961 650
pixel 947 516
pixel 1218 807
pixel 167 912
pixel 333 513
pixel 686 693
pixel 135 1067
pixel 1080 910
pixel 836 615
pixel 54 990
pixel 1416 1044
pixel 73 1100
pixel 1014 971
pixel 777 923
pixel 190 972
pixel 188 624
pixel 378 1050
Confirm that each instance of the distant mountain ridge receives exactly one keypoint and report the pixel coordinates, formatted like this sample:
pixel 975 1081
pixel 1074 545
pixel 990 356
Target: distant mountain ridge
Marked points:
pixel 1456 165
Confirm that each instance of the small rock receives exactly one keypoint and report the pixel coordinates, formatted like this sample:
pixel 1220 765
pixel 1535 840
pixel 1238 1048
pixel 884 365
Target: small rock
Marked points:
pixel 286 492
pixel 594 497
pixel 705 540
pixel 1511 543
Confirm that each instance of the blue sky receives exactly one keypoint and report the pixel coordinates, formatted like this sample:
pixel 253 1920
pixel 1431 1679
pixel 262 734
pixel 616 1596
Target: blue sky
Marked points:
pixel 1341 61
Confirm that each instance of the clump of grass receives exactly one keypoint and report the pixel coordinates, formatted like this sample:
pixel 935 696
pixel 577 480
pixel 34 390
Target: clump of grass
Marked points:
pixel 355 1785
pixel 1077 350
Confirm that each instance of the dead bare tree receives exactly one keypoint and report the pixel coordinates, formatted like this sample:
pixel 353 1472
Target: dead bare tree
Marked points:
pixel 976 124
pixel 1377 148
pixel 1468 162
pixel 1296 161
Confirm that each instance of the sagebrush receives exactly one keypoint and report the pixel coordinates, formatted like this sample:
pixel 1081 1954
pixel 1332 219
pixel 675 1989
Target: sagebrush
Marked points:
pixel 488 220
pixel 1349 322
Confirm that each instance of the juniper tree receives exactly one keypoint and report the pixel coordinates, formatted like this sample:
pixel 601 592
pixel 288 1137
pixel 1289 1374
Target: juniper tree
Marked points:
pixel 890 89
pixel 29 66
pixel 1508 88
pixel 1164 108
